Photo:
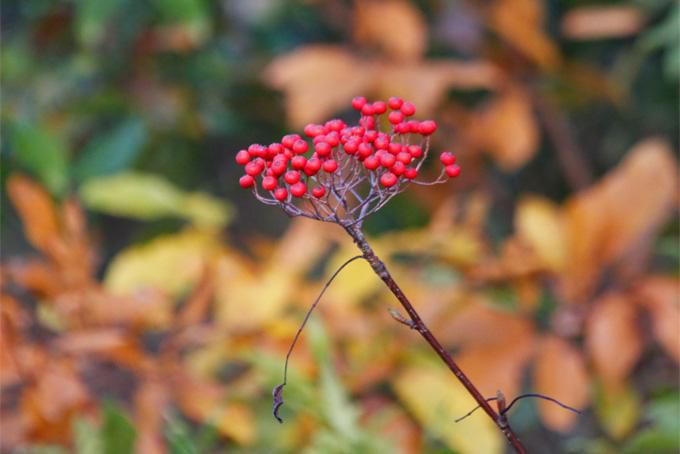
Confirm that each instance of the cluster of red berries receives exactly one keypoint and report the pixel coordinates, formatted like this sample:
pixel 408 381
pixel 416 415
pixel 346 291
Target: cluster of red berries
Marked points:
pixel 293 168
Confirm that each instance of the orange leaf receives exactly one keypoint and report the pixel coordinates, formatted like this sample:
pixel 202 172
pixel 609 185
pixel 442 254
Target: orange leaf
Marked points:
pixel 560 372
pixel 612 337
pixel 150 401
pixel 598 22
pixel 659 295
pixel 395 26
pixel 36 210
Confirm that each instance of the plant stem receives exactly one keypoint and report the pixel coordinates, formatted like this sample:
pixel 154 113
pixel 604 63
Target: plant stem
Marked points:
pixel 418 324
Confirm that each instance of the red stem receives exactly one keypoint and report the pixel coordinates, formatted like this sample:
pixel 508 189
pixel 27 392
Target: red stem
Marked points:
pixel 418 324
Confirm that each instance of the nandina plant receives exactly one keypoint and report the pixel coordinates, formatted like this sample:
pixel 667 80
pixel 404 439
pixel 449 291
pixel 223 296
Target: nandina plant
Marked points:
pixel 347 173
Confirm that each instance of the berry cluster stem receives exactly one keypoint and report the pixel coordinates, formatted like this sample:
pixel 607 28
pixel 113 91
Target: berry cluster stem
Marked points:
pixel 417 323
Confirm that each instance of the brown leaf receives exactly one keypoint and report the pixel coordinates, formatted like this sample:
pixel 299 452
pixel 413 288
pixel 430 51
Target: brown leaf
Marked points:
pixel 198 303
pixel 36 210
pixel 37 276
pixel 95 340
pixel 395 26
pixel 659 295
pixel 538 222
pixel 598 22
pixel 612 338
pixel 625 208
pixel 150 401
pixel 560 373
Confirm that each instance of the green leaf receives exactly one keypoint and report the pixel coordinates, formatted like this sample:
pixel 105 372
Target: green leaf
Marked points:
pixel 147 197
pixel 117 432
pixel 86 437
pixel 112 152
pixel 618 409
pixel 42 153
pixel 92 18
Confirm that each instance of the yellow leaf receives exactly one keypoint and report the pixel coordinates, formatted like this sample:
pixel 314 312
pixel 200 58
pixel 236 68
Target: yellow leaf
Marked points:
pixel 598 22
pixel 395 26
pixel 659 295
pixel 618 409
pixel 437 399
pixel 538 222
pixel 171 263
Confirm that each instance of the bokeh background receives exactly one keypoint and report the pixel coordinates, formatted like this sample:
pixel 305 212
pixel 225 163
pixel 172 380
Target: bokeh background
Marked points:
pixel 147 301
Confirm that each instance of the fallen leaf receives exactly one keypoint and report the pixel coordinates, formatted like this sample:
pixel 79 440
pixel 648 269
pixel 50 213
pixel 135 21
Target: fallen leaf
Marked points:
pixel 601 22
pixel 612 337
pixel 659 295
pixel 538 222
pixel 395 26
pixel 436 399
pixel 150 401
pixel 560 372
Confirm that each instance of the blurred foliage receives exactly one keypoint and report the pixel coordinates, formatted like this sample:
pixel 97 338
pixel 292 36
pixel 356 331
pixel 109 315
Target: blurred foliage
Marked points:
pixel 147 302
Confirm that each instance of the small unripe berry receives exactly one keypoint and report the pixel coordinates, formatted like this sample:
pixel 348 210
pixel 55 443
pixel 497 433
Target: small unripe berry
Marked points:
pixel 452 170
pixel 395 102
pixel 395 117
pixel 372 162
pixel 298 189
pixel 242 158
pixel 388 179
pixel 427 127
pixel 298 162
pixel 323 148
pixel 318 191
pixel 410 173
pixel 280 194
pixel 291 177
pixel 330 166
pixel 359 102
pixel 447 158
pixel 379 107
pixel 269 183
pixel 300 146
pixel 408 109
pixel 246 181
pixel 387 160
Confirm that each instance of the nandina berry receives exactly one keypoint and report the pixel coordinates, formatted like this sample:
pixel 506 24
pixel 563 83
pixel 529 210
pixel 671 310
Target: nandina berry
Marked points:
pixel 387 160
pixel 300 146
pixel 246 181
pixel 318 191
pixel 382 142
pixel 351 146
pixel 427 127
pixel 313 130
pixel 408 109
pixel 447 158
pixel 330 166
pixel 312 166
pixel 280 194
pixel 291 177
pixel 358 102
pixel 323 149
pixel 298 189
pixel 319 138
pixel 288 140
pixel 394 148
pixel 410 173
pixel 395 117
pixel 372 162
pixel 415 151
pixel 370 136
pixel 269 183
pixel 379 107
pixel 395 102
pixel 332 139
pixel 274 148
pixel 254 168
pixel 242 157
pixel 335 125
pixel 388 179
pixel 365 150
pixel 452 170
pixel 298 162
pixel 367 110
pixel 398 168
pixel 279 166
pixel 404 157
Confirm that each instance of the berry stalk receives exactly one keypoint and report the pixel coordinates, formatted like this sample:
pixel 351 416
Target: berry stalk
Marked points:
pixel 417 323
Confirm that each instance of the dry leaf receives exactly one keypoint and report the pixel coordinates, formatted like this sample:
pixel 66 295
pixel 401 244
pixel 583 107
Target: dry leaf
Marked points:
pixel 560 372
pixel 395 26
pixel 660 296
pixel 626 207
pixel 436 399
pixel 598 22
pixel 538 222
pixel 612 337
pixel 150 401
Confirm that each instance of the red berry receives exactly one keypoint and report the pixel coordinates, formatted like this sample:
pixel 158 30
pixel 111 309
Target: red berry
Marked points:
pixel 381 142
pixel 365 150
pixel 269 183
pixel 246 181
pixel 388 179
pixel 452 170
pixel 298 189
pixel 242 157
pixel 404 157
pixel 330 166
pixel 279 166
pixel 351 146
pixel 395 117
pixel 332 139
pixel 415 151
pixel 387 160
pixel 372 162
pixel 410 173
pixel 398 168
pixel 280 194
pixel 291 177
pixel 288 140
pixel 427 127
pixel 298 162
pixel 313 130
pixel 379 107
pixel 395 102
pixel 408 109
pixel 447 158
pixel 318 191
pixel 394 148
pixel 335 125
pixel 300 146
pixel 254 168
pixel 323 148
pixel 371 135
pixel 367 110
pixel 358 102
pixel 274 149
pixel 312 167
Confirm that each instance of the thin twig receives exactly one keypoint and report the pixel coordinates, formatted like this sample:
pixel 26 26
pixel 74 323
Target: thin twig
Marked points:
pixel 277 393
pixel 520 397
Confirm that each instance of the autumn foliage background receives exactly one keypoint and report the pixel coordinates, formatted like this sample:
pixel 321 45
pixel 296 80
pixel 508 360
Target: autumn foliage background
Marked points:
pixel 147 301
